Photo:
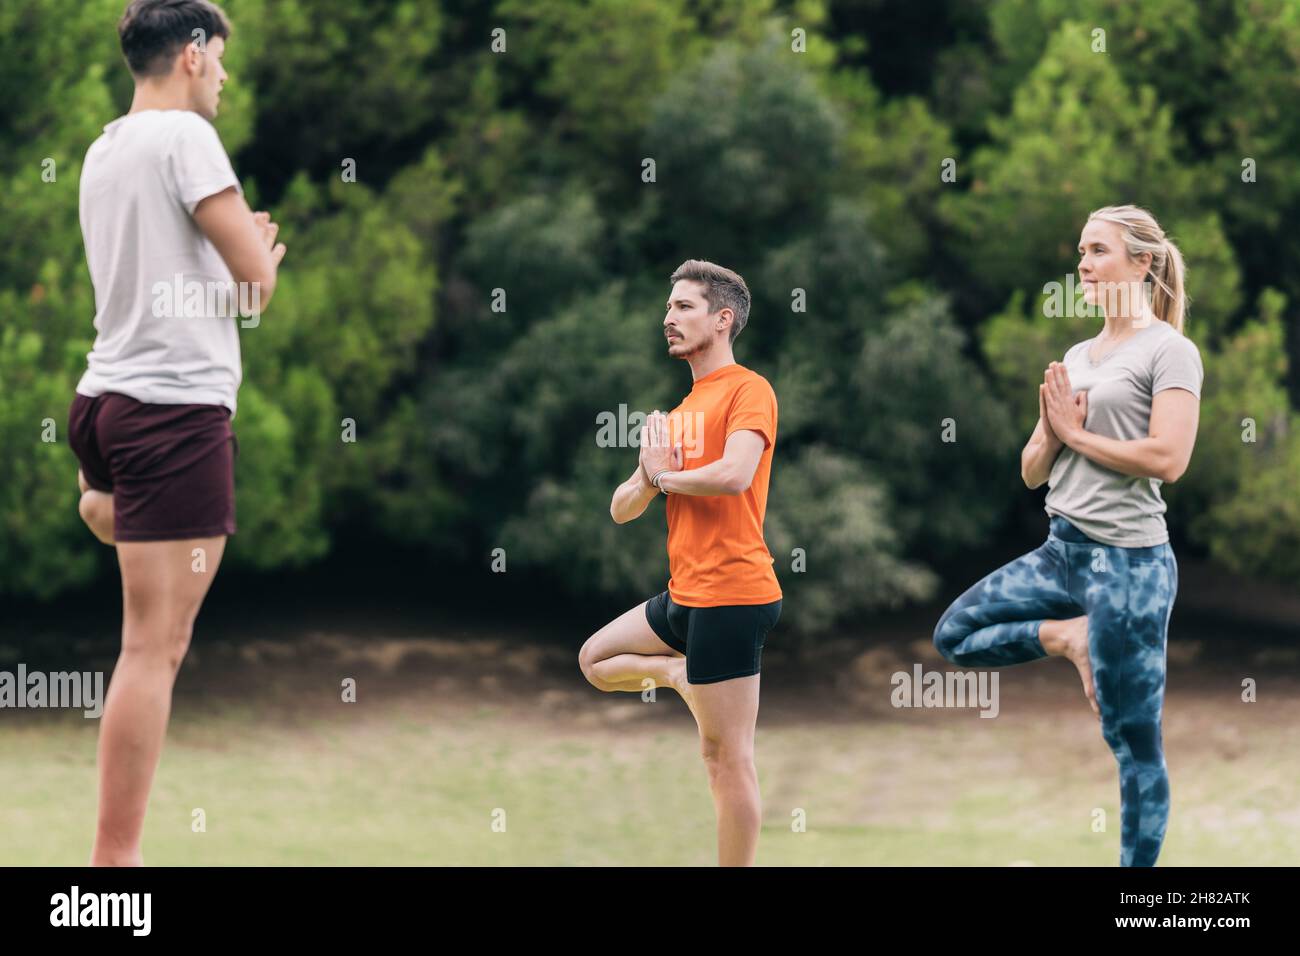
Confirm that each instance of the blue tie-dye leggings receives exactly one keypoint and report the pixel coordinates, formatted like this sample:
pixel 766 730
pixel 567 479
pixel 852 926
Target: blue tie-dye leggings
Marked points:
pixel 1127 594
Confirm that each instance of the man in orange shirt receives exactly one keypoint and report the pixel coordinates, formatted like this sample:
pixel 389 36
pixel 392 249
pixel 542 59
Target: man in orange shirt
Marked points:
pixel 712 458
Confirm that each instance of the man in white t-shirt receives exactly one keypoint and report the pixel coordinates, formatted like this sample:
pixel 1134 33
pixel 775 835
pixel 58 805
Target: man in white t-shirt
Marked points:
pixel 178 262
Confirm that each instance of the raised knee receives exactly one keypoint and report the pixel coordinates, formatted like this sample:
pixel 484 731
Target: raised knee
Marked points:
pixel 96 510
pixel 944 640
pixel 587 661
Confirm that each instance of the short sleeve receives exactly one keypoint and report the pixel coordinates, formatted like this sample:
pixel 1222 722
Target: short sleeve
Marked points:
pixel 1176 363
pixel 754 408
pixel 199 164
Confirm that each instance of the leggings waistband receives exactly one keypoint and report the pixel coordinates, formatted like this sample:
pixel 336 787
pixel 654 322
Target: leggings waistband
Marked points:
pixel 1059 527
pixel 1063 530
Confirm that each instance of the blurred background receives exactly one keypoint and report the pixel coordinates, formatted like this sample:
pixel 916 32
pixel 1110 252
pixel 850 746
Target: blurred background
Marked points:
pixel 802 144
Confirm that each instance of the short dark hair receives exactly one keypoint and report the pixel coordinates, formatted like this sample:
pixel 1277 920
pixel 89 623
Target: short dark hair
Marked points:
pixel 722 289
pixel 154 31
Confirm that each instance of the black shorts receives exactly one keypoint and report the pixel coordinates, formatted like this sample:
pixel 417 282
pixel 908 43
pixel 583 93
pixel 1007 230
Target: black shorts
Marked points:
pixel 720 643
pixel 170 468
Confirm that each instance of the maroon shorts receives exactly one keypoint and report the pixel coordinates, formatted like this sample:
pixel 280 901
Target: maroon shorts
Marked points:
pixel 170 468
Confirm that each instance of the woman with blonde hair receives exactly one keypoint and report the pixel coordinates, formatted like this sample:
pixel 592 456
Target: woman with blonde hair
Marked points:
pixel 1117 418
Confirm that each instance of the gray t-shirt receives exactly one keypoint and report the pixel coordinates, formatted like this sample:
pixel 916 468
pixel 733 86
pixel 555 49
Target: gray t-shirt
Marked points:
pixel 1106 505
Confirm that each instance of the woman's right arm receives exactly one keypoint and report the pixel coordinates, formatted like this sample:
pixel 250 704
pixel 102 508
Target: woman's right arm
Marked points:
pixel 1041 450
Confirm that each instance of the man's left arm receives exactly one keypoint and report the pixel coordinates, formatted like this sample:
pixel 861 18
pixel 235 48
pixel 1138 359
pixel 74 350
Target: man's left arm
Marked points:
pixel 729 475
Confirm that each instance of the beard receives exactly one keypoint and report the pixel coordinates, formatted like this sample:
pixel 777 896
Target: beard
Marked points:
pixel 682 350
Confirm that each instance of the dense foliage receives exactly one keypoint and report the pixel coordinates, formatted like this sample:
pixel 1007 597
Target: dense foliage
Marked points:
pixel 523 170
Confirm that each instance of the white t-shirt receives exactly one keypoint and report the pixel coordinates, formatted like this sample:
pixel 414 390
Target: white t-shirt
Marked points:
pixel 165 333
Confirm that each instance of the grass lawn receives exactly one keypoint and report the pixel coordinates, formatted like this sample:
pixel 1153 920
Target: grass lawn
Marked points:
pixel 435 757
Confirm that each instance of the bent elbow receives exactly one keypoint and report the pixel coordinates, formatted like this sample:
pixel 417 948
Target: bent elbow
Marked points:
pixel 253 293
pixel 1171 470
pixel 264 288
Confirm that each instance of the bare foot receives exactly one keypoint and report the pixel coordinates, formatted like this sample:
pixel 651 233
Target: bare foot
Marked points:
pixel 1069 639
pixel 677 672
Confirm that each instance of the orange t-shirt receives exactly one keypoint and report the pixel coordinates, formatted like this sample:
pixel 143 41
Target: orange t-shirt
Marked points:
pixel 716 551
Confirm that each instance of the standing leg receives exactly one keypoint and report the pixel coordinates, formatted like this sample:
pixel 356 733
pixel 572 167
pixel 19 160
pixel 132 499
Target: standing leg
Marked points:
pixel 1128 608
pixel 727 712
pixel 161 595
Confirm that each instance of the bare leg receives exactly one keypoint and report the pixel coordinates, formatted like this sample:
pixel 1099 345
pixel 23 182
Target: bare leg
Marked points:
pixel 163 586
pixel 627 651
pixel 1069 639
pixel 727 713
pixel 96 509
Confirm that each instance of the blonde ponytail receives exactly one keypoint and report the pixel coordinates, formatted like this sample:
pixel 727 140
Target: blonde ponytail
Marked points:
pixel 1169 301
